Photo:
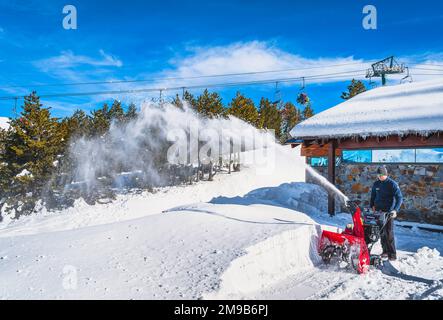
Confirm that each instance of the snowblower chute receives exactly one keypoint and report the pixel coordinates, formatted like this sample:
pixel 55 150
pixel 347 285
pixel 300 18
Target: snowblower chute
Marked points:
pixel 349 246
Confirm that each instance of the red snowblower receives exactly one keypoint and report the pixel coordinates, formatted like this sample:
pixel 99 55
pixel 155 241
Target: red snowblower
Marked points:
pixel 354 244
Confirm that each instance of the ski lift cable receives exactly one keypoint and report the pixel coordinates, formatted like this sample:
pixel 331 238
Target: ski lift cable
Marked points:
pixel 144 90
pixel 179 78
pixel 427 69
pixel 426 64
pixel 428 74
pixel 229 84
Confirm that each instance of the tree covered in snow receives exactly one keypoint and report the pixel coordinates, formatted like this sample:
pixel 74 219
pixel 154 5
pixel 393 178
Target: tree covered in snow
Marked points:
pixel 356 87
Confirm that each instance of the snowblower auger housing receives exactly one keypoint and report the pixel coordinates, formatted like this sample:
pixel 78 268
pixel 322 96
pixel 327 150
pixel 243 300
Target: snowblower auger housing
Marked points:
pixel 348 246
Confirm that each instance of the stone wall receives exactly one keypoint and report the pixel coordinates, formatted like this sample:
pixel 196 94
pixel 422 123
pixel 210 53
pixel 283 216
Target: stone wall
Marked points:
pixel 421 185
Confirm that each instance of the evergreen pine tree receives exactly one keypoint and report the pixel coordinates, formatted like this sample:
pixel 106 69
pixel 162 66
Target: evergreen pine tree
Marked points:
pixel 116 112
pixel 210 105
pixel 100 121
pixel 307 112
pixel 131 113
pixel 78 125
pixel 2 150
pixel 2 140
pixel 190 100
pixel 356 87
pixel 270 117
pixel 177 102
pixel 291 115
pixel 243 108
pixel 32 146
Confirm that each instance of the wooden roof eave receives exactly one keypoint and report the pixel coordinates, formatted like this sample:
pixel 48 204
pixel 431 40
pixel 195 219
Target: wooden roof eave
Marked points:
pixel 319 147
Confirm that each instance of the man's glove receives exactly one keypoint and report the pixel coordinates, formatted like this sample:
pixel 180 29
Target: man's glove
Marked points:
pixel 393 214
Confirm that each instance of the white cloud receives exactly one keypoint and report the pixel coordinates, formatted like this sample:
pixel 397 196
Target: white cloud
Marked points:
pixel 425 66
pixel 257 56
pixel 205 61
pixel 67 59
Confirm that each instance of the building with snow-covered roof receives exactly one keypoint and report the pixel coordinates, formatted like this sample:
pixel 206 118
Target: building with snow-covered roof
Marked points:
pixel 399 126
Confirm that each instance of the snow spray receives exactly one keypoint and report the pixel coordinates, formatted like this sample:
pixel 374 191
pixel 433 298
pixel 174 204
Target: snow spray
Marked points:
pixel 326 184
pixel 161 137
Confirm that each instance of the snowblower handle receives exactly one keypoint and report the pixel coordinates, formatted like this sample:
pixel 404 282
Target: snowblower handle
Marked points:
pixel 386 217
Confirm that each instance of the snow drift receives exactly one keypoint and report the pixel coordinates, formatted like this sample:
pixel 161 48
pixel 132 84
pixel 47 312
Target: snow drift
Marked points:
pixel 270 261
pixel 298 196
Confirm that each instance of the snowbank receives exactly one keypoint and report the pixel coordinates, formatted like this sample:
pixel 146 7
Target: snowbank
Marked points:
pixel 269 262
pixel 299 196
pixel 180 254
pixel 400 109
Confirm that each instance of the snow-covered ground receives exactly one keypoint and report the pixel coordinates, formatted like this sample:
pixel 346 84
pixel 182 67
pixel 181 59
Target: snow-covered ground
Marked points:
pixel 4 123
pixel 244 235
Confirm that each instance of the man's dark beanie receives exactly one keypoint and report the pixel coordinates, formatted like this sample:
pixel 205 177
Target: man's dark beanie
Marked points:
pixel 382 170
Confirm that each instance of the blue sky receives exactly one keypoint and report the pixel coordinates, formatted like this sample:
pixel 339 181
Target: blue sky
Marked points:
pixel 156 39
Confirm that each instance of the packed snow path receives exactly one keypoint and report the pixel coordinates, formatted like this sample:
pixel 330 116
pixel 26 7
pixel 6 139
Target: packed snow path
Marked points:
pixel 243 236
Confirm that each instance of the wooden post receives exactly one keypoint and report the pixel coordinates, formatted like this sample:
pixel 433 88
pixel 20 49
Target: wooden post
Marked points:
pixel 230 154
pixel 331 176
pixel 307 174
pixel 198 158
pixel 211 177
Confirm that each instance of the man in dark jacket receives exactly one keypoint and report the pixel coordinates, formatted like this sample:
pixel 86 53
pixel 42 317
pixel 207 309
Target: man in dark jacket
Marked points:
pixel 386 197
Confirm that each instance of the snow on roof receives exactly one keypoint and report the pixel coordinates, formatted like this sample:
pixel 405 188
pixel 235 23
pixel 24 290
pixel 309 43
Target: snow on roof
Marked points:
pixel 412 108
pixel 4 123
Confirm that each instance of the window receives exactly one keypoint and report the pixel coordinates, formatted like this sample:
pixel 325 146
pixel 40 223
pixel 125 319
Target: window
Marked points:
pixel 422 155
pixel 357 156
pixel 395 155
pixel 429 155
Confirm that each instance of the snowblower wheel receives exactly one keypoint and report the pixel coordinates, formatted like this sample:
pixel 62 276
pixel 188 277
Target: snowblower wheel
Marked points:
pixel 354 257
pixel 327 253
pixel 376 262
pixel 354 261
